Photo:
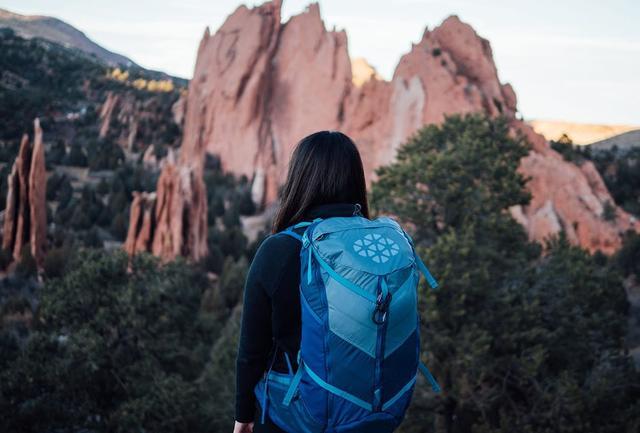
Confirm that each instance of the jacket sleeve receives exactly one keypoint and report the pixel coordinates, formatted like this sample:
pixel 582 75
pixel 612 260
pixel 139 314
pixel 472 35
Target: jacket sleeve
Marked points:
pixel 256 338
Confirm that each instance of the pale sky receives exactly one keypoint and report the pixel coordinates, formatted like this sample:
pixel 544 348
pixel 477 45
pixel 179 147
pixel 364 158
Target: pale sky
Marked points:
pixel 567 59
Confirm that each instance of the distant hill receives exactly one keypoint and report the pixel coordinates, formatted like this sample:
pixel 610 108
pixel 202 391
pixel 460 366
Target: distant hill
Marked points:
pixel 580 133
pixel 625 141
pixel 55 30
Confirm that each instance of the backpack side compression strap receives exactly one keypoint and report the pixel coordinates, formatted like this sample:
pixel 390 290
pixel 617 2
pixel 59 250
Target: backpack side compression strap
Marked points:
pixel 427 374
pixel 425 271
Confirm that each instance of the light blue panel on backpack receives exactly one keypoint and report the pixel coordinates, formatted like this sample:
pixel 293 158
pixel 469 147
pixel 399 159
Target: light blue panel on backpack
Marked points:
pixel 336 224
pixel 398 278
pixel 403 314
pixel 350 317
pixel 376 247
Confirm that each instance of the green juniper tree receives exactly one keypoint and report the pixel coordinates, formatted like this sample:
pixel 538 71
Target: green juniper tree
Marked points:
pixel 520 340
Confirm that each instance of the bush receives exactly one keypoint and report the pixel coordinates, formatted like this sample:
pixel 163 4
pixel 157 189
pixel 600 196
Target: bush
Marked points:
pixel 118 346
pixel 628 257
pixel 26 266
pixel 5 258
pixel 609 211
pixel 119 226
pixel 55 262
pixel 76 156
pixel 519 341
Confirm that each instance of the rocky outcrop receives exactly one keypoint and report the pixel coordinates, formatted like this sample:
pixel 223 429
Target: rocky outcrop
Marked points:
pixel 106 112
pixel 260 85
pixel 134 119
pixel 179 108
pixel 172 221
pixel 568 197
pixel 25 216
pixel 141 223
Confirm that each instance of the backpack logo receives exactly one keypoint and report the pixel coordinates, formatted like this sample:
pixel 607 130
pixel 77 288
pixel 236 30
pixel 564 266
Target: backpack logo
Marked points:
pixel 377 248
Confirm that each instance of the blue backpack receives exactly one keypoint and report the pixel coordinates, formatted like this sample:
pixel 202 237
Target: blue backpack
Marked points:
pixel 360 346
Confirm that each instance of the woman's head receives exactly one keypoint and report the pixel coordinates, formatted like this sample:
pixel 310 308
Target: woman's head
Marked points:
pixel 325 168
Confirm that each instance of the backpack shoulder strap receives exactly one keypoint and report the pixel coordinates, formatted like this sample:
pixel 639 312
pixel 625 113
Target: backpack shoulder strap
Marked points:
pixel 292 231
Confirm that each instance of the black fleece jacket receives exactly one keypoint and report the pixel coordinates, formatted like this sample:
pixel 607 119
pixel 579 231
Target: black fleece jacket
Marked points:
pixel 271 310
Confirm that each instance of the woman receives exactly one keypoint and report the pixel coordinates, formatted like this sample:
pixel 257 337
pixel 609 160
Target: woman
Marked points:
pixel 325 179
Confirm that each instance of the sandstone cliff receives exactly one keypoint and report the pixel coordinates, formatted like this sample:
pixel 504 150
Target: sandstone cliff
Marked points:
pixel 25 215
pixel 260 85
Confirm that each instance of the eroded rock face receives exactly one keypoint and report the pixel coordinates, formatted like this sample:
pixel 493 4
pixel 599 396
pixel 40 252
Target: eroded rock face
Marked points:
pixel 25 218
pixel 260 85
pixel 568 197
pixel 172 221
pixel 106 112
pixel 141 223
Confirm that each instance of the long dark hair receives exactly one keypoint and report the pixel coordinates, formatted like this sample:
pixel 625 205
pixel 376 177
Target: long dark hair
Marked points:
pixel 325 168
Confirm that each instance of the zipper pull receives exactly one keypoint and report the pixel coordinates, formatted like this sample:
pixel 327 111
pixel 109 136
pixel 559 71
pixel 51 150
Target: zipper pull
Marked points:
pixel 379 315
pixel 356 210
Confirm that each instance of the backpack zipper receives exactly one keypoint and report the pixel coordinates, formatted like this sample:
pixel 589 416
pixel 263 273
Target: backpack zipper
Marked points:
pixel 380 318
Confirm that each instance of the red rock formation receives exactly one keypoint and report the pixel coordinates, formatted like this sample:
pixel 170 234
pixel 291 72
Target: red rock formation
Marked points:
pixel 179 108
pixel 38 197
pixel 141 223
pixel 106 112
pixel 249 99
pixel 260 85
pixel 567 196
pixel 25 216
pixel 172 221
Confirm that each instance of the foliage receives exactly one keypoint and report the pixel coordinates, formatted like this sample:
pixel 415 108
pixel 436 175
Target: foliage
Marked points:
pixel 55 262
pixel 609 211
pixel 620 170
pixel 569 151
pixel 218 376
pixel 519 340
pixel 117 346
pixel 26 266
pixel 453 176
pixel 5 258
pixel 628 257
pixel 66 89
pixel 39 79
pixel 76 156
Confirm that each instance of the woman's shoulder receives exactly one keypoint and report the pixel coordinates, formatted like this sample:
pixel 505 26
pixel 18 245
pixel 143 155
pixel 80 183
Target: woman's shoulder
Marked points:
pixel 276 247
